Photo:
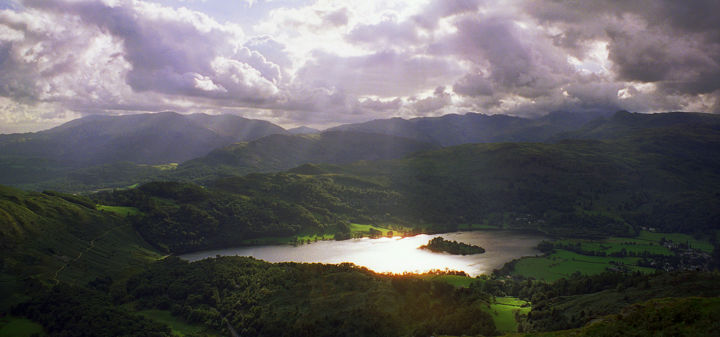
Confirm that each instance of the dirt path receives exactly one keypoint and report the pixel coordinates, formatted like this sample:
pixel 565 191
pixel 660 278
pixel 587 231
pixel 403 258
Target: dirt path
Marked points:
pixel 92 245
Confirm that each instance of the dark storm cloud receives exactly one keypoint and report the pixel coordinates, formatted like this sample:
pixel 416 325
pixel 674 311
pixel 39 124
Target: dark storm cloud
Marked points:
pixel 517 62
pixel 673 44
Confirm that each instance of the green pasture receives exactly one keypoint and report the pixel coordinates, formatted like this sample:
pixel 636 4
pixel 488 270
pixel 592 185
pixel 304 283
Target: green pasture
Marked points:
pixel 178 326
pixel 564 263
pixel 503 312
pixel 19 327
pixel 457 281
pixel 120 210
pixel 365 230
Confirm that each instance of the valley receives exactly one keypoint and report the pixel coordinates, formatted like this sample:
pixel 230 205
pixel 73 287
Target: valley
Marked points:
pixel 308 235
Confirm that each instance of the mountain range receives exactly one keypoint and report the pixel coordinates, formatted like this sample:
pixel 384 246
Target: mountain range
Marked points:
pixel 114 151
pixel 153 138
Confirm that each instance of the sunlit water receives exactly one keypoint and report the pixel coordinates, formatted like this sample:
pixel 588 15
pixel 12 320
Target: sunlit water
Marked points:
pixel 397 255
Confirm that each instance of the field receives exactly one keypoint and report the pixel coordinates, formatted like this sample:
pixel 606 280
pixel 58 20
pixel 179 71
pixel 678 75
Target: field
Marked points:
pixel 703 245
pixel 364 230
pixel 19 327
pixel 120 210
pixel 563 263
pixel 356 230
pixel 503 312
pixel 177 325
pixel 454 280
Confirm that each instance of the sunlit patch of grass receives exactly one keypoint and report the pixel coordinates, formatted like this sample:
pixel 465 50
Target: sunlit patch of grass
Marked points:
pixel 457 281
pixel 503 312
pixel 365 230
pixel 166 167
pixel 19 327
pixel 120 210
pixel 564 263
pixel 178 326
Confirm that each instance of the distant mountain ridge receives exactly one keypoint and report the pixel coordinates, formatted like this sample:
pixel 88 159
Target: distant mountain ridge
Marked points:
pixel 456 129
pixel 281 152
pixel 152 138
pixel 302 130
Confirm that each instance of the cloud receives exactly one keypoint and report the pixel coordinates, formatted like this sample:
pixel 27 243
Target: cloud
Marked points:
pixel 437 101
pixel 328 62
pixel 674 45
pixel 384 73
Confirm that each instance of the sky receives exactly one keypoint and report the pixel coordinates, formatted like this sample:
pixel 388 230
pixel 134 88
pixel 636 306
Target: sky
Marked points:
pixel 322 63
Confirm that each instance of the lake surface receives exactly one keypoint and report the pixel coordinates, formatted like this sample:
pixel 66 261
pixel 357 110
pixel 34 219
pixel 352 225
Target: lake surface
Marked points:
pixel 397 255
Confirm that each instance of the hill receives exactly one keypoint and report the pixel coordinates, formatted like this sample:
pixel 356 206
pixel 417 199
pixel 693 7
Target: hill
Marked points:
pixel 623 124
pixel 51 237
pixel 155 138
pixel 144 138
pixel 281 152
pixel 475 128
pixel 302 130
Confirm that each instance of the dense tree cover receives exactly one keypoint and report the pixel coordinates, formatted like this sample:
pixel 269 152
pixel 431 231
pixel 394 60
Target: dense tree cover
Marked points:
pixel 439 244
pixel 659 317
pixel 76 311
pixel 282 152
pixel 664 317
pixel 288 299
pixel 183 217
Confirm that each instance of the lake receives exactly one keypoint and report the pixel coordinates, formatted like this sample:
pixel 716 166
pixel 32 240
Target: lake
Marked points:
pixel 397 255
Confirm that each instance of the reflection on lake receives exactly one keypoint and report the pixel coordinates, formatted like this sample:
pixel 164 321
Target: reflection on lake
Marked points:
pixel 397 255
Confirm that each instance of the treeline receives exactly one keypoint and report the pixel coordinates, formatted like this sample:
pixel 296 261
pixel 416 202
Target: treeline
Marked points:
pixel 68 310
pixel 181 217
pixel 288 299
pixel 439 244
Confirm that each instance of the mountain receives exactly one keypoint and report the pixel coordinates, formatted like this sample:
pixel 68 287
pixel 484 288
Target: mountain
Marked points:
pixel 154 138
pixel 455 129
pixel 144 138
pixel 60 237
pixel 282 152
pixel 302 130
pixel 623 124
pixel 236 128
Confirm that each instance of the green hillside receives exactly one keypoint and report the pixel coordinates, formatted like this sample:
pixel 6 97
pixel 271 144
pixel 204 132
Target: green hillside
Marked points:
pixel 51 237
pixel 282 152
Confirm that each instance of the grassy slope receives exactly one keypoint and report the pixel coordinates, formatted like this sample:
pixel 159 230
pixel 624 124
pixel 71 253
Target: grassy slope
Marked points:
pixel 19 327
pixel 53 239
pixel 503 312
pixel 178 326
pixel 564 263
